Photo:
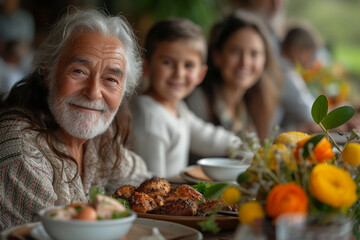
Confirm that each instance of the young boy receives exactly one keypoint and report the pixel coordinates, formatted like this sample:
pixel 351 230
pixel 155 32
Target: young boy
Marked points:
pixel 298 47
pixel 164 129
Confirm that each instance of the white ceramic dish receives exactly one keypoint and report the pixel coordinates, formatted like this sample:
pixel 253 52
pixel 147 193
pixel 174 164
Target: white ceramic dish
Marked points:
pixel 223 169
pixel 140 228
pixel 85 230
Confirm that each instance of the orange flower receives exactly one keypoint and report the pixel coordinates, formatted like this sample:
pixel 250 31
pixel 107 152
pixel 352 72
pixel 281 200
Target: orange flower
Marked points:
pixel 285 198
pixel 322 152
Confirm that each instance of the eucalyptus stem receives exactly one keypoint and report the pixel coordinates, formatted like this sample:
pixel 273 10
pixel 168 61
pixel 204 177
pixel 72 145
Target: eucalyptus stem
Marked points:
pixel 329 135
pixel 357 179
pixel 266 169
pixel 244 190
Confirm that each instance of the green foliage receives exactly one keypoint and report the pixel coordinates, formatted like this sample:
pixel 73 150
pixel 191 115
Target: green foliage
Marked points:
pixel 356 213
pixel 201 186
pixel 94 192
pixel 338 117
pixel 123 202
pixel 209 225
pixel 337 25
pixel 117 215
pixel 215 191
pixel 243 178
pixel 203 12
pixel 333 119
pixel 209 190
pixel 319 108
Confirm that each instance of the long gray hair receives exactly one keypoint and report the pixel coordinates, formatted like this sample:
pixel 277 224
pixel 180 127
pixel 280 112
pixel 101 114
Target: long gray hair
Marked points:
pixel 27 100
pixel 77 21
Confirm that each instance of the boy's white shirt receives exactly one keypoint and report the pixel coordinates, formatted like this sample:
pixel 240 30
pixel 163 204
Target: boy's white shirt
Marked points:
pixel 164 141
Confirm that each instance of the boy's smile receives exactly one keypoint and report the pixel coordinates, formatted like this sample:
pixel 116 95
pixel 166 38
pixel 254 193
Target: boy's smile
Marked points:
pixel 174 70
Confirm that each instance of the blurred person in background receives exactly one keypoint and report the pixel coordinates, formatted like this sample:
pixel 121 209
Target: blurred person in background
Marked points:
pixel 17 30
pixel 272 12
pixel 298 50
pixel 164 129
pixel 241 87
pixel 294 109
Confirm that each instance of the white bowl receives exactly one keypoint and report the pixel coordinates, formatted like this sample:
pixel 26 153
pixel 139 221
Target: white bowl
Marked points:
pixel 223 169
pixel 113 229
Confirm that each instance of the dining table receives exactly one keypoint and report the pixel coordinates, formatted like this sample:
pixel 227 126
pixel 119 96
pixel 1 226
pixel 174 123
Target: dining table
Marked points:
pixel 23 233
pixel 189 176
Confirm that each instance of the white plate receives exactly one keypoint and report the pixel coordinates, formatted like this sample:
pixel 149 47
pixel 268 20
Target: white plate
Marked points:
pixel 39 233
pixel 175 229
pixel 141 225
pixel 193 180
pixel 4 234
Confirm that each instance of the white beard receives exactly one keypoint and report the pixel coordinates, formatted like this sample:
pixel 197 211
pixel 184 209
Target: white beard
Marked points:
pixel 76 123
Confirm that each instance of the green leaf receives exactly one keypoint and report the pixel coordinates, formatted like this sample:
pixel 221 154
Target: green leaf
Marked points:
pixel 338 117
pixel 319 108
pixel 242 178
pixel 201 186
pixel 314 140
pixel 117 215
pixel 209 225
pixel 215 191
pixel 124 202
pixel 95 191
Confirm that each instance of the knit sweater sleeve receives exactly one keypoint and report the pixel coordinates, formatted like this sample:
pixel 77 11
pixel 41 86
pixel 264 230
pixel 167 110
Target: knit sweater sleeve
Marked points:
pixel 207 139
pixel 25 179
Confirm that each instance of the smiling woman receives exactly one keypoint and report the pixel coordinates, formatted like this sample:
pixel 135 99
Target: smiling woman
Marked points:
pixel 64 127
pixel 240 90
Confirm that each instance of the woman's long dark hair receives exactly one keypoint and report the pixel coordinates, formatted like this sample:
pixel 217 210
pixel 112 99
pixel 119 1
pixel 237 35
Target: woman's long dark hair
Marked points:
pixel 260 99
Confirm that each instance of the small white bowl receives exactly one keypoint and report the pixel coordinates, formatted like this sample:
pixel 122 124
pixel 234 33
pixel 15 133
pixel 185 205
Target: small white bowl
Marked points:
pixel 223 169
pixel 113 229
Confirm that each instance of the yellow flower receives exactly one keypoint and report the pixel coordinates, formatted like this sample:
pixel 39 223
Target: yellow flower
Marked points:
pixel 276 152
pixel 290 138
pixel 332 185
pixel 231 195
pixel 250 211
pixel 351 153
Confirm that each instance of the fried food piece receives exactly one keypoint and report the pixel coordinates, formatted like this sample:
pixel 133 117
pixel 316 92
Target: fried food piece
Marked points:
pixel 181 207
pixel 216 204
pixel 141 202
pixel 125 191
pixel 155 187
pixel 185 192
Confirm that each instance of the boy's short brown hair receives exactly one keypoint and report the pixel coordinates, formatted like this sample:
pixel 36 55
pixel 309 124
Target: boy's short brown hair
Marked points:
pixel 174 29
pixel 300 36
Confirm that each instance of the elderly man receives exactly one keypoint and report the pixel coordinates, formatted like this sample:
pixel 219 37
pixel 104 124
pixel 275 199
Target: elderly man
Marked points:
pixel 64 127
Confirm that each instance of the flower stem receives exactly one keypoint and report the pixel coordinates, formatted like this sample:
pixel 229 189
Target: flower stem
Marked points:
pixel 329 135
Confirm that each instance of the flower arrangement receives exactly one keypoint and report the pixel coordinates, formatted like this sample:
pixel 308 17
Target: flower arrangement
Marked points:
pixel 331 81
pixel 301 173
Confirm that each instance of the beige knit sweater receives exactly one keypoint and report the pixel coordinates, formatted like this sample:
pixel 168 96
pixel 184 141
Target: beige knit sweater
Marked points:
pixel 31 179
